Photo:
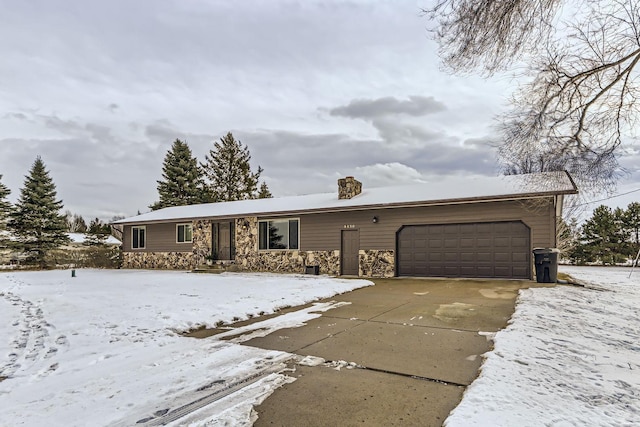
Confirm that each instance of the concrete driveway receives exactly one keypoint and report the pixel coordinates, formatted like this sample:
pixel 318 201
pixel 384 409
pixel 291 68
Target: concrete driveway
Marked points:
pixel 400 353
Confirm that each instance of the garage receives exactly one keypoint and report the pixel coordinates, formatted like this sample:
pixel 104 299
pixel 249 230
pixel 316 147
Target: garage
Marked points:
pixel 490 249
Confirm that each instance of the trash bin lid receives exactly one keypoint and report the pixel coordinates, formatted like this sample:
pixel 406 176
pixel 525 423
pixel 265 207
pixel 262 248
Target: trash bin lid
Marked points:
pixel 545 250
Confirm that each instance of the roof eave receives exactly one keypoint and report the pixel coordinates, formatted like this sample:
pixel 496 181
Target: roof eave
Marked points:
pixel 366 207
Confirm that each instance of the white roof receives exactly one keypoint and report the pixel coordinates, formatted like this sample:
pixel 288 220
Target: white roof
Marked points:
pixel 448 190
pixel 82 238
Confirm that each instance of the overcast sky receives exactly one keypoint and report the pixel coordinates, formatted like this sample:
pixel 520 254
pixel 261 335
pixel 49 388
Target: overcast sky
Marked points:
pixel 317 90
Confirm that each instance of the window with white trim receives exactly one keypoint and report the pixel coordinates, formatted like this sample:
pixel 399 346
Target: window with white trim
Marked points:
pixel 279 234
pixel 184 233
pixel 138 237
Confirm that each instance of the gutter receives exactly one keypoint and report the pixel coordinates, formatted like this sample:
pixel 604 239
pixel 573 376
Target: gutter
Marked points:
pixel 337 209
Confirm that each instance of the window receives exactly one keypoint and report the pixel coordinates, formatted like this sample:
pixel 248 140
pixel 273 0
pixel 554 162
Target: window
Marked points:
pixel 279 234
pixel 138 237
pixel 184 233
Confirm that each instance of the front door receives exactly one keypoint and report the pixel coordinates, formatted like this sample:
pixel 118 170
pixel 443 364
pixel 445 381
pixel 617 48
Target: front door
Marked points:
pixel 349 252
pixel 223 241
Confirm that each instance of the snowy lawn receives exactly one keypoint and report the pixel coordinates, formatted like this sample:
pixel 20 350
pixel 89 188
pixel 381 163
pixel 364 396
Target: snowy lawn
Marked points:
pixel 570 357
pixel 103 348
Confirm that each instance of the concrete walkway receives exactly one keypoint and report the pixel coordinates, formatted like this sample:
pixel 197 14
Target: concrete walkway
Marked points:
pixel 417 344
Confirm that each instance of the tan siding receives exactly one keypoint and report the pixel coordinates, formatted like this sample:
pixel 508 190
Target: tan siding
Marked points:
pixel 159 238
pixel 322 231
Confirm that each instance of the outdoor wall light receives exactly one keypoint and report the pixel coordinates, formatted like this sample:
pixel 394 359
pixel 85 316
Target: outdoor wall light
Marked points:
pixel 375 219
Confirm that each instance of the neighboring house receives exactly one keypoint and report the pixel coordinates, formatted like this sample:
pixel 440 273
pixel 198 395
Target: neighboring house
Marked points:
pixel 459 227
pixel 81 239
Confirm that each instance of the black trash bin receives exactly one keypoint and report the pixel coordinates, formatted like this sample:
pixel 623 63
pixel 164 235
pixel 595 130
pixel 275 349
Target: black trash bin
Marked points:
pixel 312 269
pixel 546 260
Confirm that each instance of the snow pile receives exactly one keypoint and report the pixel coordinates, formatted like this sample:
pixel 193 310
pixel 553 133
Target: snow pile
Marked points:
pixel 102 348
pixel 569 357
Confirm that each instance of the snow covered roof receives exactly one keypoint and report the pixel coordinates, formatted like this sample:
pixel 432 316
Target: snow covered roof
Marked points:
pixel 446 191
pixel 81 238
pixel 77 238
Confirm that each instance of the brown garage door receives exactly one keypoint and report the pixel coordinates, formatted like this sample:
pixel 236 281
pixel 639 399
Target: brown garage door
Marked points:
pixel 494 249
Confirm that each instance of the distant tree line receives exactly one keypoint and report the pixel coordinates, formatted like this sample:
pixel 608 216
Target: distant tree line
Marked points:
pixel 610 236
pixel 225 175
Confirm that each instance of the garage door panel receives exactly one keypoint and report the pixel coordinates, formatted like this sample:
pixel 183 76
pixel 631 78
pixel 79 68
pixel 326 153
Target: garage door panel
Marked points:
pixel 485 257
pixel 502 271
pixel 435 256
pixel 518 257
pixel 519 242
pixel 502 242
pixel 484 242
pixel 467 257
pixel 435 243
pixel 502 257
pixel 451 243
pixel 497 249
pixel 420 256
pixel 484 228
pixel 467 243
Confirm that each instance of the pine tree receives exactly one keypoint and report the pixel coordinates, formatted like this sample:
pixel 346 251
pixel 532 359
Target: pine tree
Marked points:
pixel 631 221
pixel 36 221
pixel 264 192
pixel 97 232
pixel 183 181
pixel 602 238
pixel 5 210
pixel 229 172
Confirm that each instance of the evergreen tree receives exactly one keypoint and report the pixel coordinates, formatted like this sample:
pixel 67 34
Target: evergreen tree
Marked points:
pixel 630 229
pixel 264 192
pixel 631 223
pixel 229 172
pixel 36 221
pixel 183 182
pixel 5 210
pixel 602 238
pixel 97 232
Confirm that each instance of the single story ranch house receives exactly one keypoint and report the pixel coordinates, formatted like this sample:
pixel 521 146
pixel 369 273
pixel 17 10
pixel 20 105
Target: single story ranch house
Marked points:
pixel 458 227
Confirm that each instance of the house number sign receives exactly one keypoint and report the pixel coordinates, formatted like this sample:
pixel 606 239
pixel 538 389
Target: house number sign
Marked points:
pixel 349 226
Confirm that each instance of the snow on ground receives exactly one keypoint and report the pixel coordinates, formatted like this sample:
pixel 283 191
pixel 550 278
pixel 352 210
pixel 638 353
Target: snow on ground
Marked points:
pixel 570 357
pixel 102 348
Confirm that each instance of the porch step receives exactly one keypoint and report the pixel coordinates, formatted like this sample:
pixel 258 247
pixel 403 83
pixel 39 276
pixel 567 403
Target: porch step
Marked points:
pixel 215 268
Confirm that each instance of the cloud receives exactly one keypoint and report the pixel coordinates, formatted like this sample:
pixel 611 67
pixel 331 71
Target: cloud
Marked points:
pixel 367 109
pixel 384 174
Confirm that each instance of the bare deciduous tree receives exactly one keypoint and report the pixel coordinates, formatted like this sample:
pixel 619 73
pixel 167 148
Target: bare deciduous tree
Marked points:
pixel 581 59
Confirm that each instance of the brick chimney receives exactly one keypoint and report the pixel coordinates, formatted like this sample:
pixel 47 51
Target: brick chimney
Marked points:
pixel 348 187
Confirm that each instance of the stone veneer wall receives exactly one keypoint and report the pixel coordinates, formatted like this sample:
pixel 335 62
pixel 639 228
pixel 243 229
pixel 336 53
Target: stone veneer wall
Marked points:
pixel 375 263
pixel 202 239
pixel 163 260
pixel 294 261
pixel 246 241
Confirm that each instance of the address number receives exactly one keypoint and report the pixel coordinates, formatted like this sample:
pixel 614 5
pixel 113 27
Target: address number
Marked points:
pixel 349 226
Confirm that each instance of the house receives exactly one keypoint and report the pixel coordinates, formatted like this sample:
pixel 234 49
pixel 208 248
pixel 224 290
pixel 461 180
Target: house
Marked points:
pixel 457 227
pixel 79 240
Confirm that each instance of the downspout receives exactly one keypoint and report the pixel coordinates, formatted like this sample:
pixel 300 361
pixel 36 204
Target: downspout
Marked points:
pixel 559 205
